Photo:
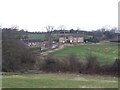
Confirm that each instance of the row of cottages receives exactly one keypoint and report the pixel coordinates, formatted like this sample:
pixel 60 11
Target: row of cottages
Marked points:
pixel 32 42
pixel 71 39
pixel 37 43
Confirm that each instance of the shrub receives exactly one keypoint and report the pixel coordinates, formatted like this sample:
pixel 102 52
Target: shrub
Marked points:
pixel 15 54
pixel 54 64
pixel 105 68
pixel 51 64
pixel 93 65
pixel 82 65
pixel 73 62
pixel 116 67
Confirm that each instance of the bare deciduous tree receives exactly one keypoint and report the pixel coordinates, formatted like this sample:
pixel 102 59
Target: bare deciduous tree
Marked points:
pixel 62 27
pixel 15 27
pixel 49 28
pixel 49 37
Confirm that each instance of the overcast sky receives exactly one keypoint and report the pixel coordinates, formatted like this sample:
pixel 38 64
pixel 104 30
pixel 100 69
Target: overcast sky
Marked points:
pixel 34 15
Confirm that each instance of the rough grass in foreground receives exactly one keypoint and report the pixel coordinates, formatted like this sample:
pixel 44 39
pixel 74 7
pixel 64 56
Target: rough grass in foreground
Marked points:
pixel 58 81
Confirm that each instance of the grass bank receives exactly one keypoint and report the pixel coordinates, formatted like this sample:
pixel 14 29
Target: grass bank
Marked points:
pixel 105 53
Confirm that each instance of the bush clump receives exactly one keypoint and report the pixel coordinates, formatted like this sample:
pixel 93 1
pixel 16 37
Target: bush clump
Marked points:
pixel 16 56
pixel 92 65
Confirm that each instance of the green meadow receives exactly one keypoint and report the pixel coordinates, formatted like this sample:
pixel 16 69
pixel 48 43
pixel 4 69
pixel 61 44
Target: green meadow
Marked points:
pixel 36 36
pixel 105 53
pixel 43 36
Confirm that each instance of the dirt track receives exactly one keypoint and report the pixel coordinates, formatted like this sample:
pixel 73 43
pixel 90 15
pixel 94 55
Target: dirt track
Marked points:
pixel 46 52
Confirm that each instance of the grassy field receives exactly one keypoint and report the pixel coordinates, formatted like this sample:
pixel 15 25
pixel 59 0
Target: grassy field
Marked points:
pixel 39 36
pixel 104 52
pixel 36 36
pixel 58 81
